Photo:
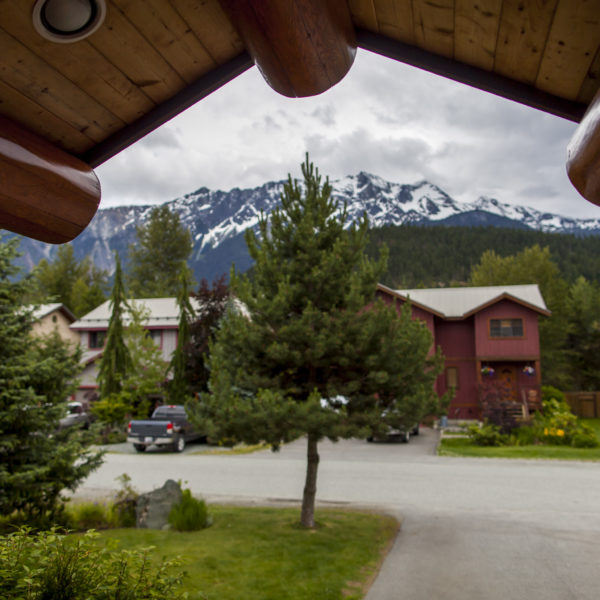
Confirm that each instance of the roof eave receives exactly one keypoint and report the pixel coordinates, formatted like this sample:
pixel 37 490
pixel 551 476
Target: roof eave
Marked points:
pixel 507 296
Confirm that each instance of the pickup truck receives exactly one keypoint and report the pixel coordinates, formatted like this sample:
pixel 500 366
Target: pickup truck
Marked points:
pixel 168 426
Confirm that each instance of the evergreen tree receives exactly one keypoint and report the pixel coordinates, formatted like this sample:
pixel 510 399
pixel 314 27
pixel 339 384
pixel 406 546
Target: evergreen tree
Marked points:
pixel 212 303
pixel 79 285
pixel 584 334
pixel 36 377
pixel 115 363
pixel 179 386
pixel 305 356
pixel 145 377
pixel 162 244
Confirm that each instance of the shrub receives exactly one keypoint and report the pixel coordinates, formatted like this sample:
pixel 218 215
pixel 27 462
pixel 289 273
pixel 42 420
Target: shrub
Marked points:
pixel 487 434
pixel 48 565
pixel 89 515
pixel 554 401
pixel 585 437
pixel 524 436
pixel 123 509
pixel 189 514
pixel 497 408
pixel 559 426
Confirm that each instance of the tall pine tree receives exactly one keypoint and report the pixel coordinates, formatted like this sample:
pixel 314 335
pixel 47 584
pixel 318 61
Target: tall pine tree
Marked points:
pixel 115 363
pixel 161 246
pixel 312 353
pixel 37 375
pixel 179 385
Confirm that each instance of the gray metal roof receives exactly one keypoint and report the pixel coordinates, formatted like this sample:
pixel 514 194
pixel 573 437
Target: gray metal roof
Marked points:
pixel 461 301
pixel 162 312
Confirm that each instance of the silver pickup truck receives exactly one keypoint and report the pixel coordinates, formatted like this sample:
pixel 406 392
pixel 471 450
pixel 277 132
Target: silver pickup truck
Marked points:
pixel 168 426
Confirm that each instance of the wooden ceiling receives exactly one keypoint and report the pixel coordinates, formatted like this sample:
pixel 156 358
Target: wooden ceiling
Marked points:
pixel 151 59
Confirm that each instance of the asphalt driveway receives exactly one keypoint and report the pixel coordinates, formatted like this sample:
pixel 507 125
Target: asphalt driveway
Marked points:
pixel 473 529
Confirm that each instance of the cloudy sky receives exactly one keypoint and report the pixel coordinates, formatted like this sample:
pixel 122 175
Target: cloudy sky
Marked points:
pixel 386 118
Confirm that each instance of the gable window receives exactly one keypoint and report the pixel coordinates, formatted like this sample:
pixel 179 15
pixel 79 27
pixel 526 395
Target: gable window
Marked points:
pixel 96 339
pixel 501 328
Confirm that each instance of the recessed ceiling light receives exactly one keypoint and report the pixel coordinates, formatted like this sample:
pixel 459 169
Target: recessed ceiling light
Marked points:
pixel 67 21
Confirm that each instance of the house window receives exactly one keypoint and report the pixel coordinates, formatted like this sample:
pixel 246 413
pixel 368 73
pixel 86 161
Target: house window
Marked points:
pixel 97 339
pixel 452 377
pixel 501 328
pixel 156 335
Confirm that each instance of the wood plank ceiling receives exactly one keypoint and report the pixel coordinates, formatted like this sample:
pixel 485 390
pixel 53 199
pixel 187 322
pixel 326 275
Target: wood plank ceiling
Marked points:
pixel 151 59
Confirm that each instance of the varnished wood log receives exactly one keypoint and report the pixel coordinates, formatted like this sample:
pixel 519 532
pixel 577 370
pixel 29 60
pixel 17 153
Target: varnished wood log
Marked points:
pixel 583 154
pixel 301 47
pixel 45 193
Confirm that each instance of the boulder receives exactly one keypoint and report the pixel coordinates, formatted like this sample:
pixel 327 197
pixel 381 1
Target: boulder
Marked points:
pixel 152 509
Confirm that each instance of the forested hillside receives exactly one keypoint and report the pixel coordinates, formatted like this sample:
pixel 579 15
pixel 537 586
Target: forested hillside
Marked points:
pixel 435 256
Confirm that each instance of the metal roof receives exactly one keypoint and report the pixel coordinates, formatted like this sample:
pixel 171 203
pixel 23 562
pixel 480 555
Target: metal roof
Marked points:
pixel 460 302
pixel 45 309
pixel 162 312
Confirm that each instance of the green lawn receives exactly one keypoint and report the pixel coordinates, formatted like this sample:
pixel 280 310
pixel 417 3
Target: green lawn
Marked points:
pixel 262 553
pixel 464 447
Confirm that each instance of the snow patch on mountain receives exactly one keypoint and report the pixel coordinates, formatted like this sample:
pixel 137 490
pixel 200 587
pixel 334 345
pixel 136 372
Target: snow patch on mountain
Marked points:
pixel 216 219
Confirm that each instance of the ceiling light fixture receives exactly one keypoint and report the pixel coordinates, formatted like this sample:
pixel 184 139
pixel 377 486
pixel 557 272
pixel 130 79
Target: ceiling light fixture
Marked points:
pixel 66 21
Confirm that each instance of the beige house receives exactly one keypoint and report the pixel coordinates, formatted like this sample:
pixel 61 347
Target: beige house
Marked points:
pixel 55 317
pixel 162 323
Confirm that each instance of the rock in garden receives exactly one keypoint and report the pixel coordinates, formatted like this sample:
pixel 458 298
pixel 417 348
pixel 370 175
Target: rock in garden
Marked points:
pixel 152 510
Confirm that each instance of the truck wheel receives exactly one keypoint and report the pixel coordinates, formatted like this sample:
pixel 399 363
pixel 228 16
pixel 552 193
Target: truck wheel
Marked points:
pixel 180 444
pixel 139 447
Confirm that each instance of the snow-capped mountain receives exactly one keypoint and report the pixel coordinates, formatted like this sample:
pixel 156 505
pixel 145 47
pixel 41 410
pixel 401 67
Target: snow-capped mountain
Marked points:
pixel 218 219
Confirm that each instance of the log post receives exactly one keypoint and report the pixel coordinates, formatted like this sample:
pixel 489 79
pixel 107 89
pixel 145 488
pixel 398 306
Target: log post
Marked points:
pixel 301 47
pixel 45 193
pixel 583 154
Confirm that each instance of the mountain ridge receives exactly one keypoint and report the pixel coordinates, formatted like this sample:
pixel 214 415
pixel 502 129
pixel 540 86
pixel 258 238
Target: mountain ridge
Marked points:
pixel 217 219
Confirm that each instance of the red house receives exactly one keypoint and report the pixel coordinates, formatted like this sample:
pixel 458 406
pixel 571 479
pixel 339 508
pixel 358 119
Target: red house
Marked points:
pixel 489 338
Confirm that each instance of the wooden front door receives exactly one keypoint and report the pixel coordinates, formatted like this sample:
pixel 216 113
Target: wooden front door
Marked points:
pixel 508 379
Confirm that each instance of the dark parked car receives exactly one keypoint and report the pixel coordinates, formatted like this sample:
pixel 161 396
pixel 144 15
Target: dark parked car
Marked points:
pixel 396 435
pixel 168 426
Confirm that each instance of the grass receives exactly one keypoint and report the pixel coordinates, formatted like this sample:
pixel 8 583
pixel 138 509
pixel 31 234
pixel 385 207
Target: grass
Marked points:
pixel 263 553
pixel 464 447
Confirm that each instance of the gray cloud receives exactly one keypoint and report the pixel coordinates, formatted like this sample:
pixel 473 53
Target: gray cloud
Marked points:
pixel 386 118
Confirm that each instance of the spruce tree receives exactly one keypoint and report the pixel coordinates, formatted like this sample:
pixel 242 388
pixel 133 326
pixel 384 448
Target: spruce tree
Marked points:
pixel 161 245
pixel 79 285
pixel 311 352
pixel 115 363
pixel 179 386
pixel 37 375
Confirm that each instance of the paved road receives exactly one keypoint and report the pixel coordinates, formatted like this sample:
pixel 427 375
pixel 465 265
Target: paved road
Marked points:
pixel 473 529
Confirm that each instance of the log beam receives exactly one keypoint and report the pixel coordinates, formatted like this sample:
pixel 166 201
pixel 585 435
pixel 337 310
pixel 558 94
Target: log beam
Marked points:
pixel 583 154
pixel 45 193
pixel 301 47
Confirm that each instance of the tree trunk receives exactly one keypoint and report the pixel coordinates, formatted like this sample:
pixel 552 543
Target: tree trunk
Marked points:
pixel 307 517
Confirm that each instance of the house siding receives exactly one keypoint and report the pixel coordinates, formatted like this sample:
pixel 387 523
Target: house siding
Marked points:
pixel 466 344
pixel 523 347
pixel 55 321
pixel 457 341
